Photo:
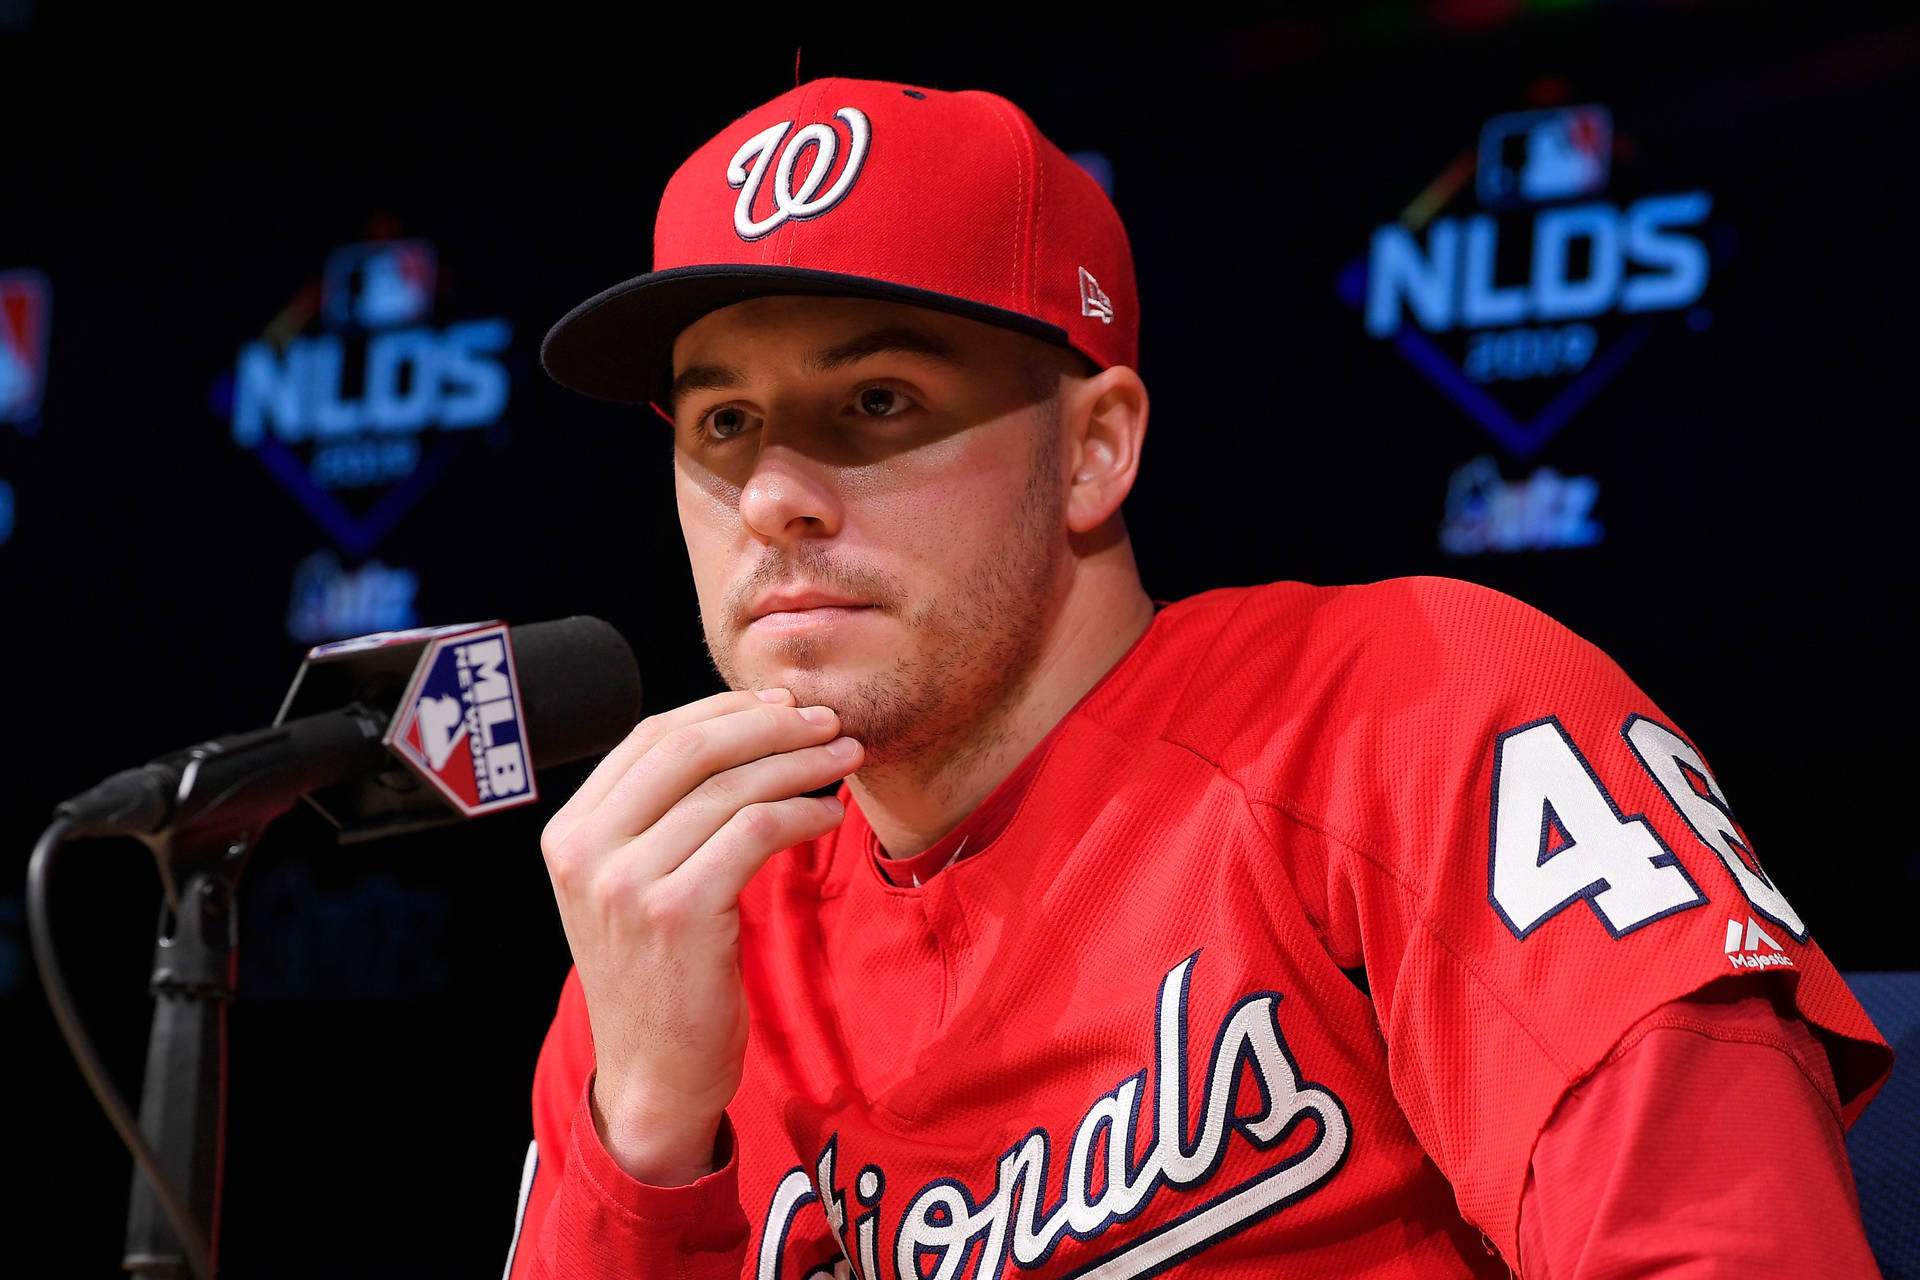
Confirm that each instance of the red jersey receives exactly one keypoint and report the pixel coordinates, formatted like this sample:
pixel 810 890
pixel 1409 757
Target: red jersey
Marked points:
pixel 1278 952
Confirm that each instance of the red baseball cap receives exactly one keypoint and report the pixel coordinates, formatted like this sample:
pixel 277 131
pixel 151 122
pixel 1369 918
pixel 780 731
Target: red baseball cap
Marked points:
pixel 860 188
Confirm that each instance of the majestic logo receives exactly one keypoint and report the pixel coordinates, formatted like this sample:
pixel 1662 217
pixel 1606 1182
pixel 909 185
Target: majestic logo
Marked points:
pixel 1744 947
pixel 748 168
pixel 1032 1205
pixel 26 302
pixel 461 725
pixel 354 400
pixel 1521 310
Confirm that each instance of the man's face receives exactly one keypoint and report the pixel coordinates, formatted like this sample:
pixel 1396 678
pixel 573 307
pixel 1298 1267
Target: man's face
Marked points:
pixel 872 502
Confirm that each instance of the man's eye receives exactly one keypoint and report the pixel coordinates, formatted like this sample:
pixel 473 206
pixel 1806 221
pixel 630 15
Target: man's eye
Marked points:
pixel 729 421
pixel 882 402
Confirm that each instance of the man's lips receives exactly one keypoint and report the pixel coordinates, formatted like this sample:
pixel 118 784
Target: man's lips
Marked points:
pixel 795 607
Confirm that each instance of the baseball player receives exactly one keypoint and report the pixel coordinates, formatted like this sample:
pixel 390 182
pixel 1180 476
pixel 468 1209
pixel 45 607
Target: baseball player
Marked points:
pixel 1374 931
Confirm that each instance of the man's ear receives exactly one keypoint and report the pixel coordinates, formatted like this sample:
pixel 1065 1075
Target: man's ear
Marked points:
pixel 1106 417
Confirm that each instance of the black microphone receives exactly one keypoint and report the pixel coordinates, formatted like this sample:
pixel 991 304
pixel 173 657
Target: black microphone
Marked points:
pixel 393 732
pixel 383 734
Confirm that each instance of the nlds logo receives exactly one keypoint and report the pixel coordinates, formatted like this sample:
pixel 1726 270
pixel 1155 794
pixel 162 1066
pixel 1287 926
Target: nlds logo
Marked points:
pixel 1521 309
pixel 355 400
pixel 461 725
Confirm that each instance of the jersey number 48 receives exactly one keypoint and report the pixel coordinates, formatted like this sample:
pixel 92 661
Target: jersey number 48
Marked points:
pixel 1557 837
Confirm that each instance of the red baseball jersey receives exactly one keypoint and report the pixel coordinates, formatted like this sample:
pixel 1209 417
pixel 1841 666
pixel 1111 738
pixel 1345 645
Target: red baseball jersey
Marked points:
pixel 1281 949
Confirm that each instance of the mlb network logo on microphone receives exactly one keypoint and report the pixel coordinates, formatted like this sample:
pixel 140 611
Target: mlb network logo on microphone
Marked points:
pixel 355 400
pixel 1522 308
pixel 461 725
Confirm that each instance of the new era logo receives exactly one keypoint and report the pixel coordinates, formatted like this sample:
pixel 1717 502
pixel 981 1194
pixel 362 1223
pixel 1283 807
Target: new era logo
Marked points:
pixel 1093 299
pixel 1749 947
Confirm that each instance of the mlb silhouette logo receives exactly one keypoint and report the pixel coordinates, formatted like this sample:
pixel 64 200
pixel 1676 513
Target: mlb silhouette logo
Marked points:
pixel 378 284
pixel 461 724
pixel 26 302
pixel 1531 157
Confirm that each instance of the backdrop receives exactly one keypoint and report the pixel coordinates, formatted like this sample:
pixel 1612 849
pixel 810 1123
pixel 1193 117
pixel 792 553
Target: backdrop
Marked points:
pixel 1606 306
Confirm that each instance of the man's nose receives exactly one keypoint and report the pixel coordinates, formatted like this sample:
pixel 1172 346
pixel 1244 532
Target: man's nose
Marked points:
pixel 790 496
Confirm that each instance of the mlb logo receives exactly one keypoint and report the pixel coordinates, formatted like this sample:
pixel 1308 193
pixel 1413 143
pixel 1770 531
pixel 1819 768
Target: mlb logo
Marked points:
pixel 378 284
pixel 1530 157
pixel 461 725
pixel 26 302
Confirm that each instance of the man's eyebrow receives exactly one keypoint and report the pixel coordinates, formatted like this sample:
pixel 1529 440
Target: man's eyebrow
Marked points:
pixel 888 338
pixel 701 377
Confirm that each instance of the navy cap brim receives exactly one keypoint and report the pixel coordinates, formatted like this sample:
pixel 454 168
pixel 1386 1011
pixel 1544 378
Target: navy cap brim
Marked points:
pixel 618 344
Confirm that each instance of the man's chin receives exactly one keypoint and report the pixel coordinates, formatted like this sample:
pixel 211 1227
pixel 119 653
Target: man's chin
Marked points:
pixel 772 657
pixel 825 684
pixel 812 673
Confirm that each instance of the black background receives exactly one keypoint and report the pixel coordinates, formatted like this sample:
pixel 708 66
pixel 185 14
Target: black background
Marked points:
pixel 179 187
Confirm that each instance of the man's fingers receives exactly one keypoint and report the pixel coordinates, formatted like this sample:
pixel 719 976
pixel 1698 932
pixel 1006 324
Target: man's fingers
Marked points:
pixel 720 868
pixel 684 757
pixel 700 815
pixel 640 740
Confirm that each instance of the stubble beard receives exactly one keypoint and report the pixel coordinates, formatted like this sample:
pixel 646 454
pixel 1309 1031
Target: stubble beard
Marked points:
pixel 972 652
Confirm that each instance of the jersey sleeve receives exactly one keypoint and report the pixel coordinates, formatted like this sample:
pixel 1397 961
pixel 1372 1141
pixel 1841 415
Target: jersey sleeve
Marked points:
pixel 1526 855
pixel 1716 1104
pixel 582 1217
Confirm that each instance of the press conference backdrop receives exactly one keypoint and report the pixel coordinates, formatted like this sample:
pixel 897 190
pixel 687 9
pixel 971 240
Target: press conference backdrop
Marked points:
pixel 1608 306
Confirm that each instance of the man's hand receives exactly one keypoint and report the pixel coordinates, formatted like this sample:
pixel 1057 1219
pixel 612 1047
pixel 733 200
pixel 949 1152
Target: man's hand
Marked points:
pixel 648 860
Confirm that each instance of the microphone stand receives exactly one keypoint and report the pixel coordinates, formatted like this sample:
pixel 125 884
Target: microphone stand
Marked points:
pixel 227 793
pixel 183 1099
pixel 200 811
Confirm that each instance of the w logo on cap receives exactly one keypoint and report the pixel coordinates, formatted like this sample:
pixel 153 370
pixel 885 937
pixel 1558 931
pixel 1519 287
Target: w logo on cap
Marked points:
pixel 748 169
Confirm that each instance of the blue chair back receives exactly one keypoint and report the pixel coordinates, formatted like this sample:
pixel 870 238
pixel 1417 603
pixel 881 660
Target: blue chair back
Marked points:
pixel 1885 1144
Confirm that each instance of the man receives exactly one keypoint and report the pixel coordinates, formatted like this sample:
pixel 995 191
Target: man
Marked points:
pixel 1377 931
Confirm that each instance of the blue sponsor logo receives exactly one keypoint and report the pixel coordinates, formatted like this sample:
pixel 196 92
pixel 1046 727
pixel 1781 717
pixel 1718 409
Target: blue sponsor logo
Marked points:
pixel 355 400
pixel 1544 511
pixel 372 939
pixel 1522 309
pixel 330 601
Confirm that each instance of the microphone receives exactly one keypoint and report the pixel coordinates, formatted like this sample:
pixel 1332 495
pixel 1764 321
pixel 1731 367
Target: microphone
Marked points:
pixel 393 732
pixel 383 734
